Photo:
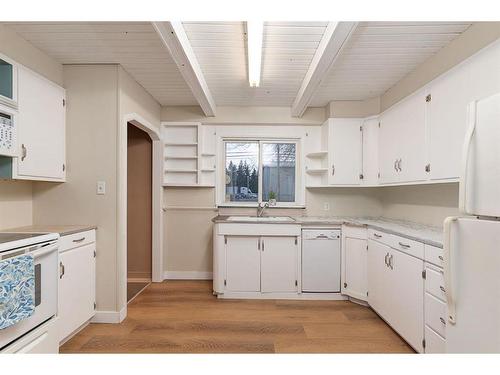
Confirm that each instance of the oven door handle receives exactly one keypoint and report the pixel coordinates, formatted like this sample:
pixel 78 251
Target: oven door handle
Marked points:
pixel 44 250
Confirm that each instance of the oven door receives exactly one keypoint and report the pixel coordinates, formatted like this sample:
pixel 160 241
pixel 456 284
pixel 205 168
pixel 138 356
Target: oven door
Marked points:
pixel 46 260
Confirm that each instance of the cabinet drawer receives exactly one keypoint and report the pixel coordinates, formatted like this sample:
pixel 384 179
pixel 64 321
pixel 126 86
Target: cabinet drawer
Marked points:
pixel 41 340
pixel 434 255
pixel 434 344
pixel 76 239
pixel 434 283
pixel 408 246
pixel 354 231
pixel 435 314
pixel 380 236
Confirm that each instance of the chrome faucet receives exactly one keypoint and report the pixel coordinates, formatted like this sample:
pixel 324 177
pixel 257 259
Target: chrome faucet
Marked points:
pixel 261 208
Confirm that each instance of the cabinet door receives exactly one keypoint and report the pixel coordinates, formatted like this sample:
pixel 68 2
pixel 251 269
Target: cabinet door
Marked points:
pixel 355 263
pixel 41 123
pixel 379 296
pixel 407 297
pixel 388 148
pixel 370 152
pixel 76 289
pixel 411 114
pixel 279 264
pixel 447 122
pixel 345 151
pixel 242 264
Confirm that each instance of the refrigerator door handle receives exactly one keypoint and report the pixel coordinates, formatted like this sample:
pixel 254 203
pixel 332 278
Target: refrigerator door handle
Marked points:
pixel 471 118
pixel 448 280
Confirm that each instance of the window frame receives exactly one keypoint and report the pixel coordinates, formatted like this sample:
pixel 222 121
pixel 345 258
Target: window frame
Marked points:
pixel 298 177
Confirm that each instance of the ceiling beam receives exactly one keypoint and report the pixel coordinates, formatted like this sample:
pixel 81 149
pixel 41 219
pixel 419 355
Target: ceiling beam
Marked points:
pixel 174 37
pixel 334 39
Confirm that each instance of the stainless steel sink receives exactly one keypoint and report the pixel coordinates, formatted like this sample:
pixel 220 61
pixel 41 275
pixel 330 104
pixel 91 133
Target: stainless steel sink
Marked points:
pixel 255 219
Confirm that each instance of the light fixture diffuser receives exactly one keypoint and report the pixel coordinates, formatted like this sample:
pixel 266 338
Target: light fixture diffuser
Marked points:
pixel 254 45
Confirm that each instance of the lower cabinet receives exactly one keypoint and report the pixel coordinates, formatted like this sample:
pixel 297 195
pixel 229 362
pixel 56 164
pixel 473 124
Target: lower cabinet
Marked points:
pixel 396 291
pixel 76 302
pixel 261 264
pixel 354 281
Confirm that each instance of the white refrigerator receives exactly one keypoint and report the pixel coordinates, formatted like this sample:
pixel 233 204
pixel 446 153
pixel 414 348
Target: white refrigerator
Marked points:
pixel 472 241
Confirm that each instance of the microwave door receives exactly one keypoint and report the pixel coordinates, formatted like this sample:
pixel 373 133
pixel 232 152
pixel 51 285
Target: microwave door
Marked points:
pixel 480 178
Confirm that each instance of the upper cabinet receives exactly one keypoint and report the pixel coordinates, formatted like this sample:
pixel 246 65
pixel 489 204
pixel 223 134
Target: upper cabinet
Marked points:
pixel 402 138
pixel 447 118
pixel 345 151
pixel 41 129
pixel 370 135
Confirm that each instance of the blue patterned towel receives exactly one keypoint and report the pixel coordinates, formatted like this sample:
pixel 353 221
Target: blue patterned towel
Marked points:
pixel 17 289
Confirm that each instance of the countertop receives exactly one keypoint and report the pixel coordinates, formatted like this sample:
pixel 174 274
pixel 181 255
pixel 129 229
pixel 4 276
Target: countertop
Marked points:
pixel 63 230
pixel 419 232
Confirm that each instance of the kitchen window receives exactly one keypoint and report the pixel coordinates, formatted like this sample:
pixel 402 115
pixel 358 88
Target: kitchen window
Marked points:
pixel 259 171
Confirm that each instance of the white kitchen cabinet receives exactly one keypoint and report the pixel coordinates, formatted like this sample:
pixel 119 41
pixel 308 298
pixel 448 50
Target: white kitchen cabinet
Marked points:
pixel 447 120
pixel 370 151
pixel 354 276
pixel 76 298
pixel 279 264
pixel 407 292
pixel 345 151
pixel 379 295
pixel 402 151
pixel 396 290
pixel 41 129
pixel 242 263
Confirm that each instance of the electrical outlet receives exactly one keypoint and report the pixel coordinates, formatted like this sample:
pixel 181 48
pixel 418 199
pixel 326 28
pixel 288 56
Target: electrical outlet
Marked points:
pixel 101 187
pixel 326 206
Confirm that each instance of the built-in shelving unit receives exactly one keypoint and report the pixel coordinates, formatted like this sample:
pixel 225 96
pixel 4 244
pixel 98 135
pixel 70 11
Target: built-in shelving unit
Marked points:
pixel 189 154
pixel 316 162
pixel 316 170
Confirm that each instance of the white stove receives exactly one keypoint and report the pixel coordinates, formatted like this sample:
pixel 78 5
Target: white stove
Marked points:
pixel 44 248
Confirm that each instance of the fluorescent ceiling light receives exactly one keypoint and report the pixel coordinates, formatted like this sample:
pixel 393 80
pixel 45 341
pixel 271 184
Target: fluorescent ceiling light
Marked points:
pixel 254 44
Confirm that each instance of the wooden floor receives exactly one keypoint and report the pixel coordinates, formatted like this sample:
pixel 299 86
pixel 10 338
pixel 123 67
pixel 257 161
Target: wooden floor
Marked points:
pixel 184 317
pixel 134 288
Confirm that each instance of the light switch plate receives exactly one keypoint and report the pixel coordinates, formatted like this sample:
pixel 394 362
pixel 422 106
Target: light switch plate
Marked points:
pixel 101 187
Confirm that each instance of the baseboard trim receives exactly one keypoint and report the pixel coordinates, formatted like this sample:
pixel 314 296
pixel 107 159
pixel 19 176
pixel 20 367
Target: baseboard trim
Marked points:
pixel 110 316
pixel 187 275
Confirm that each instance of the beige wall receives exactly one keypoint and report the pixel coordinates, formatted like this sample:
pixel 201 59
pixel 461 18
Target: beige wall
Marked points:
pixel 98 96
pixel 244 115
pixel 478 36
pixel 354 108
pixel 16 204
pixel 91 134
pixel 23 52
pixel 428 204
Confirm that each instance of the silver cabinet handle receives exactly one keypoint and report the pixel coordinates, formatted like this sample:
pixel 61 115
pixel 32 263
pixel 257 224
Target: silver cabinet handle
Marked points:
pixel 399 165
pixel 442 321
pixel 442 289
pixel 258 244
pixel 395 163
pixel 333 169
pixel 24 151
pixel 61 270
pixel 404 245
pixel 385 258
pixel 377 235
pixel 391 264
pixel 79 240
pixel 440 257
pixel 262 245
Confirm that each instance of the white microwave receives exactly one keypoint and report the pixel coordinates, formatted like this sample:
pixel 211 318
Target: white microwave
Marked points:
pixel 8 131
pixel 8 82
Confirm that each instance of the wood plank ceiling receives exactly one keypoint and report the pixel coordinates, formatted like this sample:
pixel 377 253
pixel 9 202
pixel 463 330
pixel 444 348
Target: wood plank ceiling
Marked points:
pixel 288 48
pixel 376 57
pixel 379 54
pixel 134 45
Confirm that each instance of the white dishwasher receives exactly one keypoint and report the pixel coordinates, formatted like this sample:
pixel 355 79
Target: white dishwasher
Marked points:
pixel 321 260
